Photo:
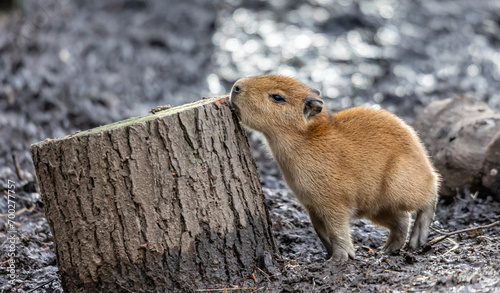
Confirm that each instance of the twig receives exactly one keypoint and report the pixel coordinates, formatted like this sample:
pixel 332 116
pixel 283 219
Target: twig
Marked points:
pixel 212 290
pixel 265 274
pixel 19 172
pixel 43 284
pixel 448 234
pixel 257 290
pixel 455 246
pixel 124 288
pixel 467 229
pixel 254 278
pixel 21 211
pixel 4 262
pixel 485 238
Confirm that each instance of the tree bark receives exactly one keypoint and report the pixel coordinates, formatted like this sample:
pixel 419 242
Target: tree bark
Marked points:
pixel 166 202
pixel 463 138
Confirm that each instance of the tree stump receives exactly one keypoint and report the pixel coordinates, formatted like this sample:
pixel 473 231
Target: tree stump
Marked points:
pixel 463 138
pixel 166 202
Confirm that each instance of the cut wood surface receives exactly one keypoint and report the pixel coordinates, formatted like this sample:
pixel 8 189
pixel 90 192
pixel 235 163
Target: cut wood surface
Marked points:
pixel 463 138
pixel 166 202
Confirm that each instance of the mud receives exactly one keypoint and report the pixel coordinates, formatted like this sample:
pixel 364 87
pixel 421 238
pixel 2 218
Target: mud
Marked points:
pixel 473 265
pixel 70 65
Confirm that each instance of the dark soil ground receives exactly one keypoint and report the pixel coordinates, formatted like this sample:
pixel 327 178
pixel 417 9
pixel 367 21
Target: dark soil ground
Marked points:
pixel 69 65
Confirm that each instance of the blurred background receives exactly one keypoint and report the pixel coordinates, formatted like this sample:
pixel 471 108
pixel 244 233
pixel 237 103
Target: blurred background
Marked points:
pixel 68 65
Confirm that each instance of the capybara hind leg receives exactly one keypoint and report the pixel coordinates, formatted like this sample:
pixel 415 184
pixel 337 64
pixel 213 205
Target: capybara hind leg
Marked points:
pixel 398 223
pixel 423 221
pixel 399 228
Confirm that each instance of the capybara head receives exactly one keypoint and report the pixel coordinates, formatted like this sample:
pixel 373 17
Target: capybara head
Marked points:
pixel 271 103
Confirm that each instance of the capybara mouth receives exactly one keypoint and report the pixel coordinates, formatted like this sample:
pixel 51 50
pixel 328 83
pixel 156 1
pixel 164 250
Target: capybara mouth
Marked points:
pixel 232 105
pixel 234 108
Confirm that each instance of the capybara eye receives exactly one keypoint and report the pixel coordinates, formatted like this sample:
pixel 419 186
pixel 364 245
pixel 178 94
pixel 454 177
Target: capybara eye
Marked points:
pixel 277 98
pixel 236 89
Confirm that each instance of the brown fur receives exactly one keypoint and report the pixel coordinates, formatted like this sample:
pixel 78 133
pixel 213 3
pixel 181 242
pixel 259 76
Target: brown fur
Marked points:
pixel 361 162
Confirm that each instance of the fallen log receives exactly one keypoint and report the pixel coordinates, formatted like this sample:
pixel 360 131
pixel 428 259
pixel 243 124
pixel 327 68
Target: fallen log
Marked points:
pixel 463 138
pixel 167 202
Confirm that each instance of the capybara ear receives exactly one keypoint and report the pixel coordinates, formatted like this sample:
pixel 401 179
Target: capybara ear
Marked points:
pixel 316 91
pixel 312 107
